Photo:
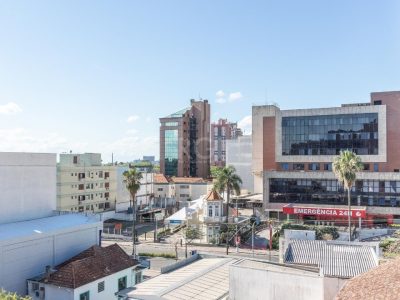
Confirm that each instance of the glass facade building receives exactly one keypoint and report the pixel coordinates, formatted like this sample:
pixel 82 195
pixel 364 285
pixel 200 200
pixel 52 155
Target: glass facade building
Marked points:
pixel 329 191
pixel 329 134
pixel 171 152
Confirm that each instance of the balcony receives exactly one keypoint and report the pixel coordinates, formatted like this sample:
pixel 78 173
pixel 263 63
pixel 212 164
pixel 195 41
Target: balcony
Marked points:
pixel 214 219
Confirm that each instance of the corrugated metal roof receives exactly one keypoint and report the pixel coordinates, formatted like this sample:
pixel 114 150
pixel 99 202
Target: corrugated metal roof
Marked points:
pixel 336 260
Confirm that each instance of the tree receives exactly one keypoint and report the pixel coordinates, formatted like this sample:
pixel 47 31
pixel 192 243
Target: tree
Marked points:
pixel 190 234
pixel 4 295
pixel 215 170
pixel 227 180
pixel 345 167
pixel 132 179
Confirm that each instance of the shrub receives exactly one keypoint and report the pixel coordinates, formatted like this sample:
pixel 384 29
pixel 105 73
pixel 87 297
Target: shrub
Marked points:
pixel 165 255
pixel 11 296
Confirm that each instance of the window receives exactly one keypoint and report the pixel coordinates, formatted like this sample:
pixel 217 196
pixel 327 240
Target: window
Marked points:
pixel 298 167
pixel 366 167
pixel 75 159
pixel 378 102
pixel 328 167
pixel 376 167
pixel 184 186
pixel 121 283
pixel 100 287
pixel 84 296
pixel 216 210
pixel 171 152
pixel 100 174
pixel 81 175
pixel 138 277
pixel 210 211
pixel 285 166
pixel 160 189
pixel 171 123
pixel 313 167
pixel 106 175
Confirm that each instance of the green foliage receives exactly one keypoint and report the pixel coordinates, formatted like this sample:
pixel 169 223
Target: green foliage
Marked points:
pixel 214 170
pixel 192 233
pixel 345 168
pixel 227 180
pixel 386 243
pixel 4 295
pixel 165 255
pixel 132 179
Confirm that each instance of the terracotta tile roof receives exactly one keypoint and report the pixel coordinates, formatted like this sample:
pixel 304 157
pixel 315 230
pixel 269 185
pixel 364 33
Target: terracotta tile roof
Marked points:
pixel 188 180
pixel 160 178
pixel 382 282
pixel 213 196
pixel 90 265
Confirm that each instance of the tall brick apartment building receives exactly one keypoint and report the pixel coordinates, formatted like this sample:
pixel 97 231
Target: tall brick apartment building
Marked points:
pixel 185 141
pixel 293 152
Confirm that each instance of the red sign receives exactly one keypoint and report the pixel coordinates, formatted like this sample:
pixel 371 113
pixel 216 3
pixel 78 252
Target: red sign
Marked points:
pixel 333 212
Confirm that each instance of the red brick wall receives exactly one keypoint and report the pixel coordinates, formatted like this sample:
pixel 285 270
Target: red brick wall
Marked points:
pixel 392 102
pixel 269 143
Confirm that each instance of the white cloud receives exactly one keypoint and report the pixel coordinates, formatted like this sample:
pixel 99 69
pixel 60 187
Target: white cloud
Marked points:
pixel 246 124
pixel 235 96
pixel 148 119
pixel 131 147
pixel 132 118
pixel 220 94
pixel 23 140
pixel 132 131
pixel 220 100
pixel 10 108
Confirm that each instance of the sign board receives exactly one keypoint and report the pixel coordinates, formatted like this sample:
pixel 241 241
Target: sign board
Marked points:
pixel 175 221
pixel 158 216
pixel 318 211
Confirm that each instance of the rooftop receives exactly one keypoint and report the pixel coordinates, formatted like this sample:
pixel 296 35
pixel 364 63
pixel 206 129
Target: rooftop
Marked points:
pixel 206 278
pixel 42 226
pixel 179 113
pixel 382 282
pixel 160 178
pixel 213 196
pixel 187 180
pixel 334 260
pixel 90 265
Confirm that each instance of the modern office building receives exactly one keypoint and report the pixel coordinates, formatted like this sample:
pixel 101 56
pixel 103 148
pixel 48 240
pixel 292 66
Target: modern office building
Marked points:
pixel 85 184
pixel 293 152
pixel 185 141
pixel 222 131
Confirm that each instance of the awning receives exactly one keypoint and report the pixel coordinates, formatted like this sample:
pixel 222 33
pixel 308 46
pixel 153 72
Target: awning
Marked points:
pixel 341 212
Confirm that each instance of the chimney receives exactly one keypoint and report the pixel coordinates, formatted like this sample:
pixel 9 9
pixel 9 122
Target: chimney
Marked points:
pixel 47 273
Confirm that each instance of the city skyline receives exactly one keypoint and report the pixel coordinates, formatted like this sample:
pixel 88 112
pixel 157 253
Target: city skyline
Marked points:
pixel 96 77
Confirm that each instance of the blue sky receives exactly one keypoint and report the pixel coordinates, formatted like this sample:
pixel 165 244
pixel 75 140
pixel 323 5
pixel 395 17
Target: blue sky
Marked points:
pixel 95 76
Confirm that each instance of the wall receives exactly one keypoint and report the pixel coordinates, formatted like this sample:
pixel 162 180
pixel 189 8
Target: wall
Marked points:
pixel 111 286
pixel 239 155
pixel 28 182
pixel 262 284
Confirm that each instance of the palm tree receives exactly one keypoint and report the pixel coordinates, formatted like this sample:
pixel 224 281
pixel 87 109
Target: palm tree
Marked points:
pixel 227 180
pixel 132 179
pixel 345 168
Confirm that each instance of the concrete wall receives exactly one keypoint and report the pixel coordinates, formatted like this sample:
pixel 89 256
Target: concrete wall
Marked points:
pixel 25 257
pixel 260 284
pixel 27 185
pixel 239 155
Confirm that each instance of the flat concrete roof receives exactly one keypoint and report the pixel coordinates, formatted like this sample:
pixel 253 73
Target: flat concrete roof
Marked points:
pixel 43 226
pixel 206 278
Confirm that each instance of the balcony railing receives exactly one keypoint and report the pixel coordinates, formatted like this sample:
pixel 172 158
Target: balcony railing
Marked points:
pixel 214 219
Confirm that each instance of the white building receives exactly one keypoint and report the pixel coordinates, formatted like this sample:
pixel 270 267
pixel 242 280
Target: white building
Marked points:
pixel 27 247
pixel 96 273
pixel 239 155
pixel 31 236
pixel 85 184
pixel 28 186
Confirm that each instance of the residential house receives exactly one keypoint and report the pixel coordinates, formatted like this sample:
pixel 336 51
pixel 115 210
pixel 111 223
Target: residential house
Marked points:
pixel 94 274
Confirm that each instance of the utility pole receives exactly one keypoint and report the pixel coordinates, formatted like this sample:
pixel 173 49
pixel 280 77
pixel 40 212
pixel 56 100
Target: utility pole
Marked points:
pixel 252 238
